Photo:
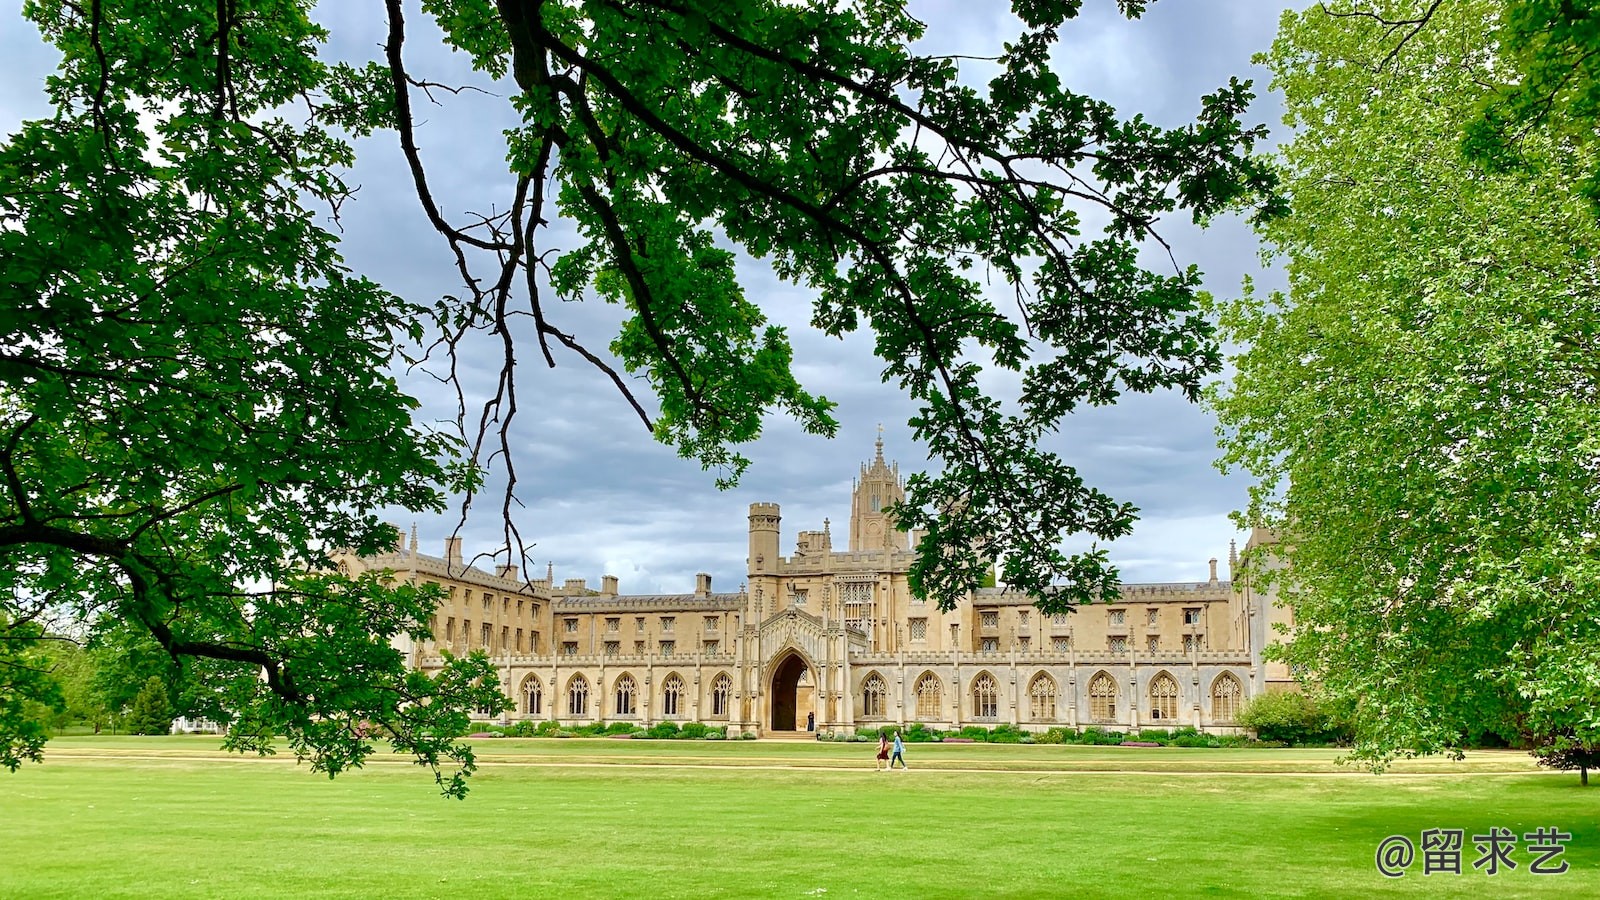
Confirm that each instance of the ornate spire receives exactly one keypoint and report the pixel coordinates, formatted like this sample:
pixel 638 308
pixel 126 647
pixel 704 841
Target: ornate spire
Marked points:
pixel 879 444
pixel 413 537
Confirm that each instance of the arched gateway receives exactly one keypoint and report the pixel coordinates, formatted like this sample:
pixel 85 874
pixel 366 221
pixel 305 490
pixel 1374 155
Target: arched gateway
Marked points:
pixel 792 694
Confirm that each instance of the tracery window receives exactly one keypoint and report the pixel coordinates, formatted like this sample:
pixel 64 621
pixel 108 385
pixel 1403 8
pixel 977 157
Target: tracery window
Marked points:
pixel 857 599
pixel 985 697
pixel 929 694
pixel 721 693
pixel 672 695
pixel 1225 694
pixel 1042 698
pixel 873 694
pixel 578 696
pixel 1103 698
pixel 627 696
pixel 532 696
pixel 1163 697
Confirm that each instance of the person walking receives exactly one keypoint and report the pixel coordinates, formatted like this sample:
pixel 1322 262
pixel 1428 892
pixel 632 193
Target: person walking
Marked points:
pixel 899 753
pixel 883 750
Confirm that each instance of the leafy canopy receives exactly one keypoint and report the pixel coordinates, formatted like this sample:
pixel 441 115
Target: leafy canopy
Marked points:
pixel 1421 406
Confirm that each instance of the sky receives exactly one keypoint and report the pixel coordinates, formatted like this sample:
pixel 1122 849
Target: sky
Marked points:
pixel 598 496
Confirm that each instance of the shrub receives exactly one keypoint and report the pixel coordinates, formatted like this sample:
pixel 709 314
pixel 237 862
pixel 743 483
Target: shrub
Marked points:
pixel 547 729
pixel 1007 734
pixel 748 736
pixel 663 731
pixel 919 733
pixel 1290 717
pixel 975 733
pixel 620 727
pixel 714 734
pixel 693 731
pixel 152 709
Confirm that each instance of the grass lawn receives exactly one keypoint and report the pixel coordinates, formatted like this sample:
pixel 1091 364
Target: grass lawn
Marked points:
pixel 170 817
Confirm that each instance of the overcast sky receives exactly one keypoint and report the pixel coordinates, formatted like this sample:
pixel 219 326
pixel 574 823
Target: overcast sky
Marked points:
pixel 601 498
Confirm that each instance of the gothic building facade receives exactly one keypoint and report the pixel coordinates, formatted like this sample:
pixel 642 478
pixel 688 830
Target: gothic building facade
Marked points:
pixel 834 640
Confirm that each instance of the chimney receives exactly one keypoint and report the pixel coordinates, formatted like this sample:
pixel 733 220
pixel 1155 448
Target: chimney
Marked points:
pixel 702 585
pixel 575 586
pixel 1213 570
pixel 452 551
pixel 506 571
pixel 399 537
pixel 608 585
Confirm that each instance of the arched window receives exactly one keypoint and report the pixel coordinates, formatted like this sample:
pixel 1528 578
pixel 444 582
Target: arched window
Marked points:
pixel 532 696
pixel 1225 694
pixel 873 693
pixel 929 695
pixel 985 697
pixel 578 696
pixel 627 694
pixel 721 693
pixel 1103 698
pixel 1163 697
pixel 1042 698
pixel 672 695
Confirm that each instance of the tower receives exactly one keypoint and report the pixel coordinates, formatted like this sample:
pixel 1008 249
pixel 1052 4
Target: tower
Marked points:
pixel 877 487
pixel 764 519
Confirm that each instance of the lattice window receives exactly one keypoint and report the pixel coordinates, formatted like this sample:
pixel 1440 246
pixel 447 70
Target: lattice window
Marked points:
pixel 919 629
pixel 1117 643
pixel 485 633
pixel 638 648
pixel 1061 644
pixel 1150 617
pixel 990 645
pixel 1225 695
pixel 1193 642
pixel 668 647
pixel 1042 698
pixel 721 694
pixel 989 618
pixel 800 598
pixel 638 623
pixel 520 645
pixel 1059 619
pixel 672 695
pixel 1191 616
pixel 613 648
pixel 985 697
pixel 569 648
pixel 1024 644
pixel 713 647
pixel 466 632
pixel 1152 643
pixel 712 623
pixel 1118 616
pixel 532 696
pixel 857 599
pixel 1103 698
pixel 572 626
pixel 613 625
pixel 929 696
pixel 1163 697
pixel 578 696
pixel 1022 618
pixel 873 694
pixel 627 696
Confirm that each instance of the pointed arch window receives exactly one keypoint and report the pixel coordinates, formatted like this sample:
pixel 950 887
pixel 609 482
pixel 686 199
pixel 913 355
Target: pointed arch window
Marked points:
pixel 985 697
pixel 1103 698
pixel 578 696
pixel 672 695
pixel 532 696
pixel 1042 698
pixel 721 694
pixel 873 694
pixel 1225 695
pixel 930 694
pixel 627 695
pixel 1163 697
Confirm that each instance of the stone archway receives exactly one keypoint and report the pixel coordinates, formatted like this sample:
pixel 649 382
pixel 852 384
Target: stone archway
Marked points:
pixel 792 694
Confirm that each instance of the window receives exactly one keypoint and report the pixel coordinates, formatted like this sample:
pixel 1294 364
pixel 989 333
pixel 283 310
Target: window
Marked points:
pixel 857 599
pixel 1061 643
pixel 1193 642
pixel 1024 644
pixel 450 630
pixel 989 618
pixel 1118 616
pixel 1117 643
pixel 955 634
pixel 1163 697
pixel 1191 616
pixel 505 605
pixel 519 640
pixel 712 647
pixel 466 596
pixel 613 648
pixel 1059 619
pixel 638 648
pixel 532 696
pixel 485 633
pixel 1150 617
pixel 985 697
pixel 638 624
pixel 1022 618
pixel 667 647
pixel 466 632
pixel 1042 698
pixel 569 648
pixel 1103 698
pixel 667 622
pixel 929 695
pixel 721 693
pixel 533 642
pixel 799 598
pixel 991 645
pixel 873 694
pixel 488 605
pixel 613 624
pixel 1153 643
pixel 672 695
pixel 1225 693
pixel 578 696
pixel 919 629
pixel 519 606
pixel 505 638
pixel 572 626
pixel 713 623
pixel 626 702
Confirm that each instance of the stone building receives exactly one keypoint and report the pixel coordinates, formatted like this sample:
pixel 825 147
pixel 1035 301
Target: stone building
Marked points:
pixel 834 639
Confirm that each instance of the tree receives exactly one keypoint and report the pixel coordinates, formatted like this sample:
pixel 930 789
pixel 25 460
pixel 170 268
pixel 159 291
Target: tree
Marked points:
pixel 152 710
pixel 1421 406
pixel 195 400
pixel 1567 752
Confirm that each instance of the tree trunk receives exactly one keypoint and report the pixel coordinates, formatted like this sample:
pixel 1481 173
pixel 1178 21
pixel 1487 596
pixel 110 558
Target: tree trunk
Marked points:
pixel 1583 776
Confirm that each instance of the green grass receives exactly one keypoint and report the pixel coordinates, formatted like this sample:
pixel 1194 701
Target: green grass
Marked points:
pixel 170 817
